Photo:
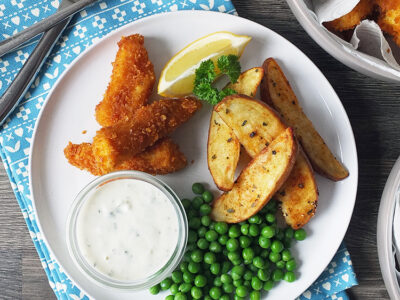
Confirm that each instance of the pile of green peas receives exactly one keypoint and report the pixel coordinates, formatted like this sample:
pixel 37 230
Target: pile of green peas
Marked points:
pixel 224 260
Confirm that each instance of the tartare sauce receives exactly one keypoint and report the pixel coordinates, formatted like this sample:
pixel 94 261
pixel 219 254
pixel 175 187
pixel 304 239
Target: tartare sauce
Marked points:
pixel 127 229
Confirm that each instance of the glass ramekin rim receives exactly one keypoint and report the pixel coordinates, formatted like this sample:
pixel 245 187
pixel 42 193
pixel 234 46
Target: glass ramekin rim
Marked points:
pixel 102 279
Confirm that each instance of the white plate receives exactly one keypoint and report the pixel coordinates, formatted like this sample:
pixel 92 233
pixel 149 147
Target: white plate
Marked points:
pixel 70 109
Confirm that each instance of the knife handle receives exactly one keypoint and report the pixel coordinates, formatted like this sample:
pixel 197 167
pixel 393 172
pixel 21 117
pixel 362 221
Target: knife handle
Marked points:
pixel 29 70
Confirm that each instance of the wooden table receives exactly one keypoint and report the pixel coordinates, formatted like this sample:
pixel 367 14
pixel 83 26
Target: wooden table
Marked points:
pixel 373 108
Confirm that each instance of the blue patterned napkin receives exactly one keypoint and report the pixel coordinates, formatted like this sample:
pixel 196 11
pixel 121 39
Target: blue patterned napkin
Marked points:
pixel 15 135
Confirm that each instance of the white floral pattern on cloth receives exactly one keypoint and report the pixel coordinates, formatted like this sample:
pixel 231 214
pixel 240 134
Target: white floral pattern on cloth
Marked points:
pixel 86 27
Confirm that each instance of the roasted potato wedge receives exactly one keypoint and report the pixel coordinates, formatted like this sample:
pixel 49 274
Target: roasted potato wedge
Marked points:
pixel 223 151
pixel 296 202
pixel 248 82
pixel 258 182
pixel 277 92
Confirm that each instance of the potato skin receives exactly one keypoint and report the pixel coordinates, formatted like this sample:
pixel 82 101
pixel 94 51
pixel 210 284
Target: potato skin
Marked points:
pixel 223 151
pixel 259 181
pixel 248 82
pixel 277 92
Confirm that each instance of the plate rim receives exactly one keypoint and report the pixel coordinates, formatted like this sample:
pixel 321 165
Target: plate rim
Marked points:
pixel 340 106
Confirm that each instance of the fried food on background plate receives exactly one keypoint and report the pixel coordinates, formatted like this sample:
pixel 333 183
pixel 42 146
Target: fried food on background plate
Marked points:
pixel 389 18
pixel 349 21
pixel 131 84
pixel 149 124
pixel 162 158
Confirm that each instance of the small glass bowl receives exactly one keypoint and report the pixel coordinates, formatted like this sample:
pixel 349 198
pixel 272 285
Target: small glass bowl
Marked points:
pixel 102 279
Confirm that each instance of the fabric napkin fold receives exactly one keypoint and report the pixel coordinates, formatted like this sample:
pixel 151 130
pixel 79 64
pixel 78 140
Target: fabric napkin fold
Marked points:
pixel 85 28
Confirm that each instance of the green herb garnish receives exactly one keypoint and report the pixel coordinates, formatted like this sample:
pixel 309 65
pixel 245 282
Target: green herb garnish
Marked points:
pixel 206 74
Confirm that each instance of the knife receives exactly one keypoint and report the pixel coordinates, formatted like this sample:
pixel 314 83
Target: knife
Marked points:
pixel 31 67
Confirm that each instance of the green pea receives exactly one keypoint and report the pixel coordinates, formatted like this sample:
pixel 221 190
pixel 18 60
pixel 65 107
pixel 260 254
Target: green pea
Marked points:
pixel 200 281
pixel 154 290
pixel 166 283
pixel 193 267
pixel 215 268
pixel 221 227
pixel 211 235
pixel 245 229
pixel 215 292
pixel 186 203
pixel 248 275
pixel 236 262
pixel 268 231
pixel 255 295
pixel 291 265
pixel 232 245
pixel 201 232
pixel 253 268
pixel 194 223
pixel 277 275
pixel 280 235
pixel 258 262
pixel 270 218
pixel 277 246
pixel 190 248
pixel 212 225
pixel 225 251
pixel 287 242
pixel 268 285
pixel 263 274
pixel 236 297
pixel 256 219
pixel 224 297
pixel 226 278
pixel 234 231
pixel 271 205
pixel 244 241
pixel 248 254
pixel 203 244
pixel 185 287
pixel 188 277
pixel 289 233
pixel 286 255
pixel 238 282
pixel 237 272
pixel 196 256
pixel 205 220
pixel 247 283
pixel 174 289
pixel 228 288
pixel 192 236
pixel 180 296
pixel 289 276
pixel 197 188
pixel 300 234
pixel 264 253
pixel 254 230
pixel 196 292
pixel 223 239
pixel 264 242
pixel 217 281
pixel 170 297
pixel 226 266
pixel 207 196
pixel 209 258
pixel 274 257
pixel 280 264
pixel 256 283
pixel 215 247
pixel 232 256
pixel 177 276
pixel 191 213
pixel 242 291
pixel 205 209
pixel 183 266
pixel 207 297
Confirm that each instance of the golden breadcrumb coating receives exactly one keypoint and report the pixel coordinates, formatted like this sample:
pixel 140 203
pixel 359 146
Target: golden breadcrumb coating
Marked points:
pixel 349 21
pixel 389 18
pixel 162 158
pixel 131 84
pixel 149 124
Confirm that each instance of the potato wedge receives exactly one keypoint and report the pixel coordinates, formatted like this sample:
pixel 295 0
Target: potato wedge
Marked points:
pixel 248 82
pixel 299 194
pixel 258 182
pixel 223 151
pixel 296 202
pixel 276 91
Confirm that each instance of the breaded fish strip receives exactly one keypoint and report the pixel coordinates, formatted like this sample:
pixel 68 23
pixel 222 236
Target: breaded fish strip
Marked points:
pixel 162 158
pixel 389 18
pixel 132 81
pixel 149 124
pixel 349 21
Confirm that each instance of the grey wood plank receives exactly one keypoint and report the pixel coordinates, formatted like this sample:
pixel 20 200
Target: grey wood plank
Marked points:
pixel 373 110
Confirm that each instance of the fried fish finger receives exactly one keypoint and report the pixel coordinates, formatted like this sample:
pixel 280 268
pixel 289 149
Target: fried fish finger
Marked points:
pixel 149 124
pixel 389 18
pixel 132 81
pixel 162 158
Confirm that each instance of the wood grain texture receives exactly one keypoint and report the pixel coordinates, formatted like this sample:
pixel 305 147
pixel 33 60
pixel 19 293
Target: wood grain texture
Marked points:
pixel 373 108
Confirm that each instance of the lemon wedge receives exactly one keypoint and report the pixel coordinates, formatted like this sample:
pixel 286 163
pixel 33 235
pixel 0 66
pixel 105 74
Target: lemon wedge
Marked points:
pixel 178 75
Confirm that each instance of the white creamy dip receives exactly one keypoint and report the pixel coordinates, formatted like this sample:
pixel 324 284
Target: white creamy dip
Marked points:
pixel 127 229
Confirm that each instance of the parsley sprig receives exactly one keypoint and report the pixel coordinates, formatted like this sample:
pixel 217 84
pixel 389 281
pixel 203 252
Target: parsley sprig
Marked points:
pixel 206 74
